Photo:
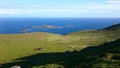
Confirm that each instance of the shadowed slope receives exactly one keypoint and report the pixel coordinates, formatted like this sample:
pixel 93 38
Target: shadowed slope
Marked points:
pixel 105 55
pixel 113 27
pixel 20 45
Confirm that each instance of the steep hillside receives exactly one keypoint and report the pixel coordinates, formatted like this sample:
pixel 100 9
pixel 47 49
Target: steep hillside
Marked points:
pixel 113 27
pixel 13 46
pixel 106 55
pixel 106 34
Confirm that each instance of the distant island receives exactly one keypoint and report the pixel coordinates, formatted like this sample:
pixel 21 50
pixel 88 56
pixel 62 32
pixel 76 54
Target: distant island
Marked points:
pixel 26 30
pixel 47 26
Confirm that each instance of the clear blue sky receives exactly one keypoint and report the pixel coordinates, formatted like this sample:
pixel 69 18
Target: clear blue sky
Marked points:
pixel 59 8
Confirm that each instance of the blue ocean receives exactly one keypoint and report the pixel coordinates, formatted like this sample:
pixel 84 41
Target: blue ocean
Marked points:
pixel 53 25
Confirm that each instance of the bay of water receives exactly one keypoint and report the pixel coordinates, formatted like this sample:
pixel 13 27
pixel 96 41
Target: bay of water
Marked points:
pixel 68 25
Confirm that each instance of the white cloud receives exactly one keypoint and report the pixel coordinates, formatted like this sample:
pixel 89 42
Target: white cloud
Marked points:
pixel 37 11
pixel 9 11
pixel 88 7
pixel 94 6
pixel 106 7
pixel 113 1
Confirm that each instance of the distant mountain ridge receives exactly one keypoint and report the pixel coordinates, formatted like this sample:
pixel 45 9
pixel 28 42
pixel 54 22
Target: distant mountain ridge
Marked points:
pixel 113 27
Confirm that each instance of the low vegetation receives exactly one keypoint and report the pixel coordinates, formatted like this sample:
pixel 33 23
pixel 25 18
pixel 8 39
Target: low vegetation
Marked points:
pixel 46 50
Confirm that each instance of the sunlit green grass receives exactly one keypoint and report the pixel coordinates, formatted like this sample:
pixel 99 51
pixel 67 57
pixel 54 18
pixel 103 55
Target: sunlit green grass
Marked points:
pixel 13 46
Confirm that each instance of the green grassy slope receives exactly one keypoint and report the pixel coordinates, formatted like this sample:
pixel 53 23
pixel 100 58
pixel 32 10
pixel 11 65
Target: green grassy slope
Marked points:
pixel 106 55
pixel 95 37
pixel 13 46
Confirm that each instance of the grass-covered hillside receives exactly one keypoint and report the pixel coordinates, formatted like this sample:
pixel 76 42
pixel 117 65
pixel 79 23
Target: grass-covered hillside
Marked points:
pixel 106 55
pixel 95 37
pixel 113 27
pixel 52 50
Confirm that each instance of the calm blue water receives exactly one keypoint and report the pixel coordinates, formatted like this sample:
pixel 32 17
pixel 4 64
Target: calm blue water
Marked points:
pixel 16 25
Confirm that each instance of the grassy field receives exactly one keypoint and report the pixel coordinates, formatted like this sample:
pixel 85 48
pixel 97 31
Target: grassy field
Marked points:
pixel 50 46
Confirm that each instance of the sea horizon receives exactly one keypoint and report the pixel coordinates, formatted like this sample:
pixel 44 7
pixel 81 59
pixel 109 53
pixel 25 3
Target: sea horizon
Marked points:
pixel 16 25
